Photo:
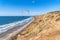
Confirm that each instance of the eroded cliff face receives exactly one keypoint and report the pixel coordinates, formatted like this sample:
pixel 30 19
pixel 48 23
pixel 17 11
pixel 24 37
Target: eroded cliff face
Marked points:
pixel 44 27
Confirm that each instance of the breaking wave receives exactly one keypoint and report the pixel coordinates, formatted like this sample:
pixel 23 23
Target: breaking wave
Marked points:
pixel 4 28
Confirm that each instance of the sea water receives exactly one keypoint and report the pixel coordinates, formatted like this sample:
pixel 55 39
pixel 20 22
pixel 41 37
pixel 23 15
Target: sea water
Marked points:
pixel 9 19
pixel 13 22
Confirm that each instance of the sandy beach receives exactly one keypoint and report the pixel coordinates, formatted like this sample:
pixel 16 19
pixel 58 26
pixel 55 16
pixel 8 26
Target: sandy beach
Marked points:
pixel 18 27
pixel 44 27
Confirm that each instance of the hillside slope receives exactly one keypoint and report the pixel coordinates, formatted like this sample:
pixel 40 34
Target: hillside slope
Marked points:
pixel 44 27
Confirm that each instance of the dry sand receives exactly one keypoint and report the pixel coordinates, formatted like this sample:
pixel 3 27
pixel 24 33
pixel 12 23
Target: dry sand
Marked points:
pixel 44 27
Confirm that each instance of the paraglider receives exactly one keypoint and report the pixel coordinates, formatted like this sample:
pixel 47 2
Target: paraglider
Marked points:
pixel 25 11
pixel 33 1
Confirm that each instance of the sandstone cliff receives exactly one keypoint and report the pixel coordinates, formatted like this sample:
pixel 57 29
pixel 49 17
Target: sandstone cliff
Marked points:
pixel 44 27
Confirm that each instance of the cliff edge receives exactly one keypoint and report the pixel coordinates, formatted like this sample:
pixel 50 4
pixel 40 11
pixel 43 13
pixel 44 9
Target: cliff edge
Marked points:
pixel 44 27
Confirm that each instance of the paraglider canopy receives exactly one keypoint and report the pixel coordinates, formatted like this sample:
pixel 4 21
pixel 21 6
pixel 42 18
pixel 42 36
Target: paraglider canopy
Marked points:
pixel 25 11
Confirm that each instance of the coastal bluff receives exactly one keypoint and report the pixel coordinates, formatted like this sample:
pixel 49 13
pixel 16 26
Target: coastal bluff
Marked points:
pixel 44 27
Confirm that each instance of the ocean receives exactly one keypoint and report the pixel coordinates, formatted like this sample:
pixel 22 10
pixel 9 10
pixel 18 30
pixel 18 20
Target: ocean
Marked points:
pixel 9 19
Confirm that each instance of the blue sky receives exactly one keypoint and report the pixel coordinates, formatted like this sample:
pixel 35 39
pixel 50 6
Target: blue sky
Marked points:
pixel 27 7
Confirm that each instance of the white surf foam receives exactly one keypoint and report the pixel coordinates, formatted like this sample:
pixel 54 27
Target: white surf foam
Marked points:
pixel 6 27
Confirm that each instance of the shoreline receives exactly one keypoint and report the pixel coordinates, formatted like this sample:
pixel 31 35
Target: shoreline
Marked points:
pixel 16 31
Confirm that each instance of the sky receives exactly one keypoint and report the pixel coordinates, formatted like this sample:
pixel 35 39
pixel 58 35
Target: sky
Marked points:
pixel 28 7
